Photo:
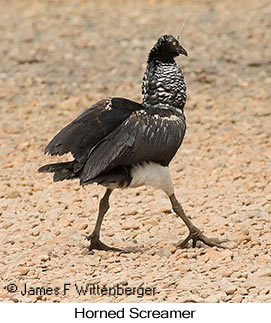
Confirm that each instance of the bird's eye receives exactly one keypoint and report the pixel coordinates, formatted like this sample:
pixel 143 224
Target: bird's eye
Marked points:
pixel 174 43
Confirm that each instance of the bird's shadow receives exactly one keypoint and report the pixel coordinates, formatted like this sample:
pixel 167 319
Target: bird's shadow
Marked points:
pixel 128 250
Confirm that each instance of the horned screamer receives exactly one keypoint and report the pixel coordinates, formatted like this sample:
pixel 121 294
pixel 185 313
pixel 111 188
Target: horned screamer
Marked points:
pixel 119 143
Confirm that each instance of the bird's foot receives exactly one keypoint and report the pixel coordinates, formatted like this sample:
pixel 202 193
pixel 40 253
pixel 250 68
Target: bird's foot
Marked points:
pixel 196 235
pixel 96 243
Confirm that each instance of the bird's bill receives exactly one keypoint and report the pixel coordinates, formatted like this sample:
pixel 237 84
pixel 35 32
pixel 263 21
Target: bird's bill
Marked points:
pixel 182 51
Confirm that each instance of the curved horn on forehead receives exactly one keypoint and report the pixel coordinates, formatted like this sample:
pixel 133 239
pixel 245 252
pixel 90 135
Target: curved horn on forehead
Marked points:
pixel 181 29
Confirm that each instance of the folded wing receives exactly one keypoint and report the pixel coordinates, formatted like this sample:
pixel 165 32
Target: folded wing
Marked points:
pixel 82 134
pixel 144 136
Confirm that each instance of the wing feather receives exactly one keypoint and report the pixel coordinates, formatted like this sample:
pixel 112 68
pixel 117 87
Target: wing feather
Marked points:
pixel 142 137
pixel 82 134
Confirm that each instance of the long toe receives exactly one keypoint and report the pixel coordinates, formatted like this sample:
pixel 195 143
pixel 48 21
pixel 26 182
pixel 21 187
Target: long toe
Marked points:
pixel 197 235
pixel 210 242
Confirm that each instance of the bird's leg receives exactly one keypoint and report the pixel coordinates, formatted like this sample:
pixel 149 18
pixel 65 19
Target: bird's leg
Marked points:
pixel 194 233
pixel 94 237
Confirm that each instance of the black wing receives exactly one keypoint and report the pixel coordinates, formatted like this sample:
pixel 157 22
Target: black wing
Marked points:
pixel 90 127
pixel 142 137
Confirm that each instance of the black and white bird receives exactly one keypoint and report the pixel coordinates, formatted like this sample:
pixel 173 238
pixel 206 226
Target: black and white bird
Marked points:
pixel 119 143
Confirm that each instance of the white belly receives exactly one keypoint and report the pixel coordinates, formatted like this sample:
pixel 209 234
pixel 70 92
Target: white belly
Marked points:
pixel 152 174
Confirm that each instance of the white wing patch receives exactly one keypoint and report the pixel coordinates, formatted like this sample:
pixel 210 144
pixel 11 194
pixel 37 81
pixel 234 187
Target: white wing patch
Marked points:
pixel 172 117
pixel 108 106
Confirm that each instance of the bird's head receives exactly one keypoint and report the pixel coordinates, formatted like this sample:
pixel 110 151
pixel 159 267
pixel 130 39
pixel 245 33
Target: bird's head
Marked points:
pixel 166 48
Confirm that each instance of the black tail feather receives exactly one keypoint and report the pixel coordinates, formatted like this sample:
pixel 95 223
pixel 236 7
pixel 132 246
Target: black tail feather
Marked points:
pixel 65 170
pixel 50 168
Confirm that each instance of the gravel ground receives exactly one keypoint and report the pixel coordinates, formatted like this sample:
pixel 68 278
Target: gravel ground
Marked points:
pixel 60 57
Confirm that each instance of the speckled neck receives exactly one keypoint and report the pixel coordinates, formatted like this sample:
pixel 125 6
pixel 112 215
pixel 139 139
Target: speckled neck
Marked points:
pixel 163 86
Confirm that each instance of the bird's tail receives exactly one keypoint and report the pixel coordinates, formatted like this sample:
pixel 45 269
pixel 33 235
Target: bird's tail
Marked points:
pixel 65 170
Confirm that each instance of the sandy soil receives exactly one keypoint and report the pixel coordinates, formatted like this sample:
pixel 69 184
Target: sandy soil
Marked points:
pixel 60 57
